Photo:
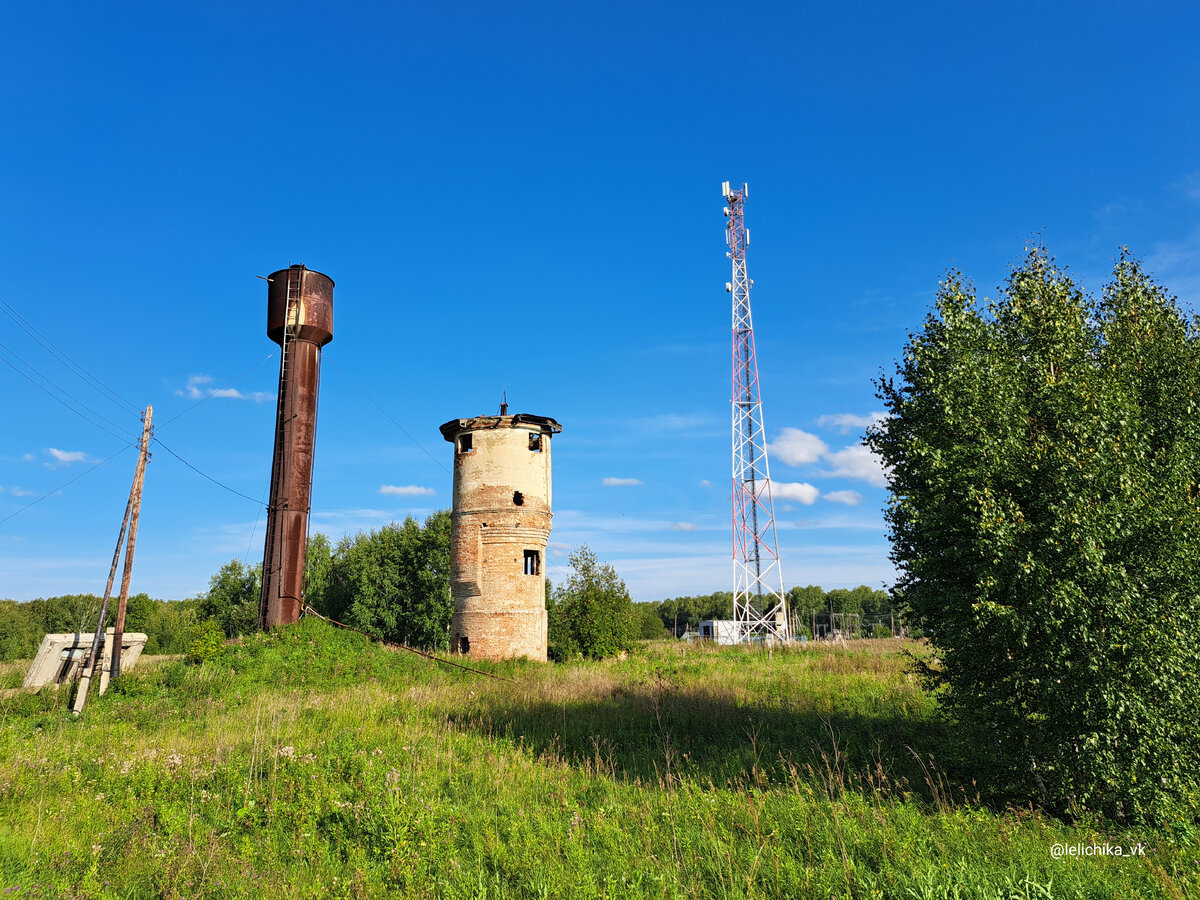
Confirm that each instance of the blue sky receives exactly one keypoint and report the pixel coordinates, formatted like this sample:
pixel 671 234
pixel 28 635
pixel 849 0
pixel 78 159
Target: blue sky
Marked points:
pixel 525 197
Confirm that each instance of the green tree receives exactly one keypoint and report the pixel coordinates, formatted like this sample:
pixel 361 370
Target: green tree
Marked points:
pixel 591 615
pixel 318 571
pixel 395 582
pixel 804 601
pixel 232 598
pixel 649 622
pixel 171 626
pixel 19 635
pixel 1044 451
pixel 66 614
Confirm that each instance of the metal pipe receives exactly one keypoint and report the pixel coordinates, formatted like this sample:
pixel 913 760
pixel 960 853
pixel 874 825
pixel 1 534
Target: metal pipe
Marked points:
pixel 300 320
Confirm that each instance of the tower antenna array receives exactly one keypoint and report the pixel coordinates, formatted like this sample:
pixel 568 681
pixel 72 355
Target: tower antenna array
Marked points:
pixel 759 605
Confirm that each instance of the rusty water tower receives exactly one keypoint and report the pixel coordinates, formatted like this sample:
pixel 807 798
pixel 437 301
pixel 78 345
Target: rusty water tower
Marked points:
pixel 499 528
pixel 300 320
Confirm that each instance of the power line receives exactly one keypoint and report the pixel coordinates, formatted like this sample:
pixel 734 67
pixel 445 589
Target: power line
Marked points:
pixel 386 416
pixel 257 515
pixel 43 389
pixel 63 485
pixel 203 475
pixel 51 348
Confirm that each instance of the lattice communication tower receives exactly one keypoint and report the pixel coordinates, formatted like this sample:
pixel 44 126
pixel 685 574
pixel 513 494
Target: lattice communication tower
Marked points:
pixel 759 605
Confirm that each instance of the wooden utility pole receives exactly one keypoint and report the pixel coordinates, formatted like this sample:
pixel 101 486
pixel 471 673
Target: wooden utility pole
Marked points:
pixel 136 500
pixel 98 637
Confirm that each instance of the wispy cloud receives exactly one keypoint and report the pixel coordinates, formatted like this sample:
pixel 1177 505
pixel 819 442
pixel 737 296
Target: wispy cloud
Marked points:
pixel 846 422
pixel 29 457
pixel 800 491
pixel 683 526
pixel 850 498
pixel 407 490
pixel 60 458
pixel 796 447
pixel 705 483
pixel 21 492
pixel 196 390
pixel 1189 185
pixel 675 422
pixel 620 482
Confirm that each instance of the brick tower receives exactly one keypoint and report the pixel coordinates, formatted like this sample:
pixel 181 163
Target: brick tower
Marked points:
pixel 499 528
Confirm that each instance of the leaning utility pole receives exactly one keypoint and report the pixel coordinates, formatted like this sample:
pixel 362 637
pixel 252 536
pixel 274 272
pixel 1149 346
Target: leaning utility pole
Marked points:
pixel 127 572
pixel 759 605
pixel 132 506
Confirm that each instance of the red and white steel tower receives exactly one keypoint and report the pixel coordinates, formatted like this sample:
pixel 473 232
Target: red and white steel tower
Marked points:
pixel 759 605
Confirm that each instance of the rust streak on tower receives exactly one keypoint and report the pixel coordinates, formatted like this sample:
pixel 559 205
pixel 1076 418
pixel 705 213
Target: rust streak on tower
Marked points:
pixel 300 320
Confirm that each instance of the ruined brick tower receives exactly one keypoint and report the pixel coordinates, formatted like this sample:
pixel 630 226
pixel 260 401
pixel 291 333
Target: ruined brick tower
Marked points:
pixel 498 533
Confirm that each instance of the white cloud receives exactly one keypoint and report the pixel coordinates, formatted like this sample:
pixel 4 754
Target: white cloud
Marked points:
pixel 797 448
pixel 845 422
pixel 29 457
pixel 195 390
pixel 64 457
pixel 850 498
pixel 21 492
pixel 857 461
pixel 704 482
pixel 683 526
pixel 407 490
pixel 620 482
pixel 800 491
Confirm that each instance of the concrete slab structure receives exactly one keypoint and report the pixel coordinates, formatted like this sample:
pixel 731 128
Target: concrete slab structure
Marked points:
pixel 499 528
pixel 61 658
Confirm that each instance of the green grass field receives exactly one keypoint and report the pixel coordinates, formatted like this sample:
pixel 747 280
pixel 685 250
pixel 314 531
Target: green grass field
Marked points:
pixel 313 764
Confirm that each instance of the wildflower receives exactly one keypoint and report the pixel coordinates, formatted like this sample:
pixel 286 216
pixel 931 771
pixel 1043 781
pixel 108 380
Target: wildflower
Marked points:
pixel 287 752
pixel 174 761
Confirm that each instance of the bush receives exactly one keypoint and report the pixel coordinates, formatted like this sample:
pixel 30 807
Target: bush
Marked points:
pixel 209 641
pixel 592 615
pixel 1044 452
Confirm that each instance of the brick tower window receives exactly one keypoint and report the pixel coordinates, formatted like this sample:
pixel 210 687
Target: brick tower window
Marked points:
pixel 533 562
pixel 535 442
pixel 464 443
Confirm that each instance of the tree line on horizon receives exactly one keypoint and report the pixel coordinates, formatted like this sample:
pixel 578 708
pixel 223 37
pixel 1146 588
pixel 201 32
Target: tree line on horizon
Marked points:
pixel 869 606
pixel 394 583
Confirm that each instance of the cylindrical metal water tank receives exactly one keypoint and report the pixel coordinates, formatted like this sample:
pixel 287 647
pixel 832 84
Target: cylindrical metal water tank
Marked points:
pixel 300 320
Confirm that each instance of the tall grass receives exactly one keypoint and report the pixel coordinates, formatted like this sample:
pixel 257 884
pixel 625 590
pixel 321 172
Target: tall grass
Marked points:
pixel 312 764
